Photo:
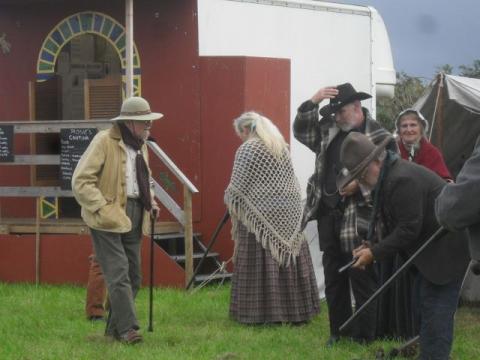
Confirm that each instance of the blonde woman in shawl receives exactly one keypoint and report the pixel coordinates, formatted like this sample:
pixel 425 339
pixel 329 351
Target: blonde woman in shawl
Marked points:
pixel 273 279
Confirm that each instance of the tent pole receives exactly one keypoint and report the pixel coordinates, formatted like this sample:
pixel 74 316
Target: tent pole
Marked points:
pixel 438 102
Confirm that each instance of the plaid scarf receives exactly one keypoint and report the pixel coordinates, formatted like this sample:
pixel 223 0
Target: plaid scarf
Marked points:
pixel 140 165
pixel 317 135
pixel 377 192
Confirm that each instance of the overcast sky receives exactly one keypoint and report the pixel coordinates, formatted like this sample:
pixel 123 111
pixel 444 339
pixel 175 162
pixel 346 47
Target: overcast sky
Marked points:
pixel 425 34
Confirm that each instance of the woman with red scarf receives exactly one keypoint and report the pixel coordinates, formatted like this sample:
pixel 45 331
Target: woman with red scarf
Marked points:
pixel 414 146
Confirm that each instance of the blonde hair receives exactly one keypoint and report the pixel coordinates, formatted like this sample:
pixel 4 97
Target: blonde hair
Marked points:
pixel 263 128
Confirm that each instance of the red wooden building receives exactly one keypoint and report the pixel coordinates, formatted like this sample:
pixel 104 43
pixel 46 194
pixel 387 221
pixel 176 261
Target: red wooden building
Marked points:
pixel 56 57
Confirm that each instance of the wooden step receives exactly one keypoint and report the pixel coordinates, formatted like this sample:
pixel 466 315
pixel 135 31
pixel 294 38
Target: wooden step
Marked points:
pixel 181 258
pixel 171 235
pixel 218 276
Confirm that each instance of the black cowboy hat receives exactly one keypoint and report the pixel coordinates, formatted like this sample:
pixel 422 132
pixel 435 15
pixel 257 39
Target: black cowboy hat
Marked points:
pixel 346 95
pixel 356 152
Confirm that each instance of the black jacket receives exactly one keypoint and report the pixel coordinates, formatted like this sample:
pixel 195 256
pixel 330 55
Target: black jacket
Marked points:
pixel 407 215
pixel 458 205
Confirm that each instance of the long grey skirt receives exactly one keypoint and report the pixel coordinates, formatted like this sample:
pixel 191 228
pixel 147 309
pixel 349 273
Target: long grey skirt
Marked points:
pixel 263 292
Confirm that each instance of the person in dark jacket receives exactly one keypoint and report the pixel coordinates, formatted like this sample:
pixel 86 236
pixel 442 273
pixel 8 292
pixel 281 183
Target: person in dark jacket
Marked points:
pixel 342 216
pixel 396 316
pixel 404 194
pixel 458 205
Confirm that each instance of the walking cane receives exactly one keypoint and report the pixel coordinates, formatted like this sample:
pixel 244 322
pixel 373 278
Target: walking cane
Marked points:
pixel 222 222
pixel 152 258
pixel 437 235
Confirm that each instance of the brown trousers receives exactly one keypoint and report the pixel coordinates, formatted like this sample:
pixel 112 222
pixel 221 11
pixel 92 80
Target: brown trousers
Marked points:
pixel 96 290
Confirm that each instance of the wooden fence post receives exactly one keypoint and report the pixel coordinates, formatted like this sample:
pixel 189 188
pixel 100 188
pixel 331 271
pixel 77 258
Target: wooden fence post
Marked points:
pixel 188 231
pixel 37 242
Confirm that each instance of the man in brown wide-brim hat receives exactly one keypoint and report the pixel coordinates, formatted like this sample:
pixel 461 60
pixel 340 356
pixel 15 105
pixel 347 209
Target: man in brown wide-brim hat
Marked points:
pixel 404 196
pixel 341 215
pixel 112 185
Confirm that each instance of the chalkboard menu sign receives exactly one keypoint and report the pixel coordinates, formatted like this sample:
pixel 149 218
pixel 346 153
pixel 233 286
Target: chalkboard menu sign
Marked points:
pixel 74 142
pixel 6 143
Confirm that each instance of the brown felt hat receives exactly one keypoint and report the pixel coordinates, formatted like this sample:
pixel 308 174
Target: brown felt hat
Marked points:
pixel 356 153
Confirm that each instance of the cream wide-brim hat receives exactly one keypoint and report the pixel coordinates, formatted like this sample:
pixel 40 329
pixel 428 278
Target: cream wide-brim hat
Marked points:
pixel 137 109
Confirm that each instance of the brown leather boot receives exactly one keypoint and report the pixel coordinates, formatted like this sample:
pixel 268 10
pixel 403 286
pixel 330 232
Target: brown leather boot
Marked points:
pixel 131 337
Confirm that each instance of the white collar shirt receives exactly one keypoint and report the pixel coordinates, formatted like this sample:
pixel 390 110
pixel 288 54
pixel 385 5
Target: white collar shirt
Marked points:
pixel 131 174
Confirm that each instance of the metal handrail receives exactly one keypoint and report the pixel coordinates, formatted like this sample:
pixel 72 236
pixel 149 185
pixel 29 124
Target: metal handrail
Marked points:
pixel 171 165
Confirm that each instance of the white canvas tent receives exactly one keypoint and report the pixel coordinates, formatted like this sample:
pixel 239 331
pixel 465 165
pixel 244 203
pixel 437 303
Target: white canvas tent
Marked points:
pixel 452 105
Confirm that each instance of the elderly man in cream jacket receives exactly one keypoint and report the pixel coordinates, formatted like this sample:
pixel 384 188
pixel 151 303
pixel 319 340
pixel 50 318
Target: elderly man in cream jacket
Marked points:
pixel 112 185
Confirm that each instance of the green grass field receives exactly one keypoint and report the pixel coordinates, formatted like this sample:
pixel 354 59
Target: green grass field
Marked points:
pixel 48 322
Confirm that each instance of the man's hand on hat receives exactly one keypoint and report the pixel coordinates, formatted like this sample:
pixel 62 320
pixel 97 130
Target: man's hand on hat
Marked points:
pixel 364 255
pixel 328 92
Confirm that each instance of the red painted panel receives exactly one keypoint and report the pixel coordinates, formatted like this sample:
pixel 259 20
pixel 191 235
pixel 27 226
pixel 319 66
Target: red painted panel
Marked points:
pixel 267 90
pixel 166 37
pixel 16 207
pixel 223 98
pixel 230 86
pixel 64 259
pixel 17 258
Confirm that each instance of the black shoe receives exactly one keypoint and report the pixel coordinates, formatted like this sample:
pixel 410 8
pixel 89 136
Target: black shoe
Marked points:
pixel 332 340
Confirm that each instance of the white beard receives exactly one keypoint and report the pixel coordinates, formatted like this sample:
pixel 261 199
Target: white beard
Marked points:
pixel 345 127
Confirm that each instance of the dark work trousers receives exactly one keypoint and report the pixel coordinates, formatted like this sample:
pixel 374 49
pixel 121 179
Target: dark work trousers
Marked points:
pixel 96 290
pixel 119 258
pixel 337 286
pixel 436 305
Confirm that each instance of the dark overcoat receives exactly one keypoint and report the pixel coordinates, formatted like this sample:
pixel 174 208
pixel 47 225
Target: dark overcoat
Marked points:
pixel 458 205
pixel 407 213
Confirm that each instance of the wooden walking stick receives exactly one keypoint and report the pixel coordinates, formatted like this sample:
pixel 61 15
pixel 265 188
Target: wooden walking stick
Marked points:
pixel 152 259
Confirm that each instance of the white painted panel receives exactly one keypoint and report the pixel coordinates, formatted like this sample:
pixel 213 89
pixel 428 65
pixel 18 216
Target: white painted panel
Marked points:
pixel 324 47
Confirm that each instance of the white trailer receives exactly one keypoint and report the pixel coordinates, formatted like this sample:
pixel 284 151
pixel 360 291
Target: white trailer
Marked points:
pixel 327 44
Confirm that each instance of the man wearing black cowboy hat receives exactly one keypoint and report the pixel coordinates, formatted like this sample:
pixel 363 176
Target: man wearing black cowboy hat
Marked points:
pixel 342 216
pixel 403 208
